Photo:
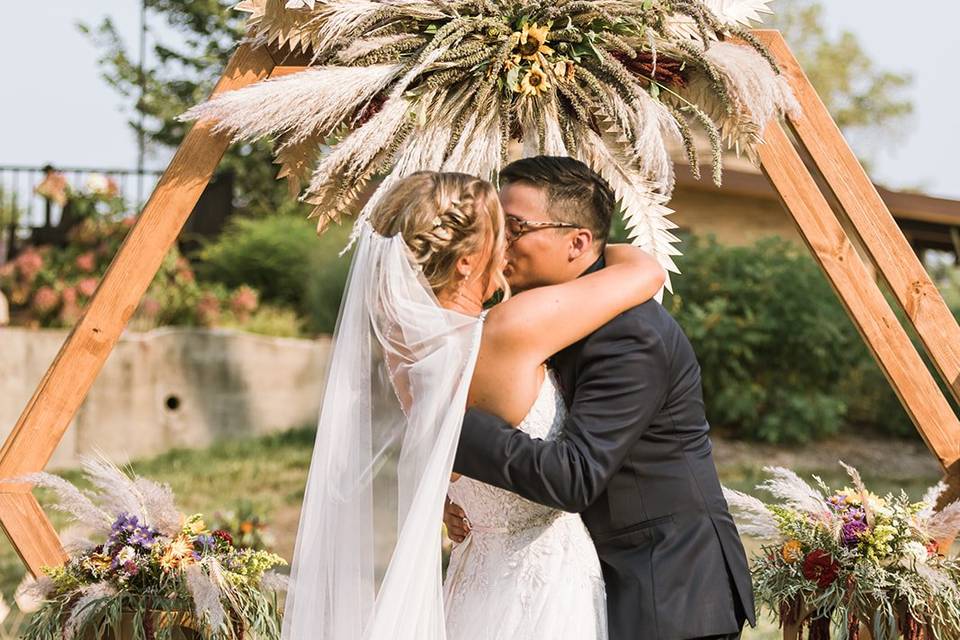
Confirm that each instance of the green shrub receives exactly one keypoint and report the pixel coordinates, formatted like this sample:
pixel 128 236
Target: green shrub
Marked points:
pixel 773 342
pixel 269 321
pixel 327 279
pixel 283 258
pixel 271 254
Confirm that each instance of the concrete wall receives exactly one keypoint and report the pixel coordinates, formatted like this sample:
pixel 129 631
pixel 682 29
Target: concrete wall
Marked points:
pixel 172 387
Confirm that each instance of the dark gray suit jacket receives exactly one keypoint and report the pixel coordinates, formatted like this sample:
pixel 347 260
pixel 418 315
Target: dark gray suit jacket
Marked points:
pixel 635 459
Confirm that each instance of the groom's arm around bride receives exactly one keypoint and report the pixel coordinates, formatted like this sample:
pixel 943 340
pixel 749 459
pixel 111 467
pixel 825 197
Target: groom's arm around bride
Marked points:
pixel 635 460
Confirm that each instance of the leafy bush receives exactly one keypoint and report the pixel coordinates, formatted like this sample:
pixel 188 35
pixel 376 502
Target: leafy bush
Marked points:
pixel 327 280
pixel 770 336
pixel 271 254
pixel 282 257
pixel 270 321
pixel 780 359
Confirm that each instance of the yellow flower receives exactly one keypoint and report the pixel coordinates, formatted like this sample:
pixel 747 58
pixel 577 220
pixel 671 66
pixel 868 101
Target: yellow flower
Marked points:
pixel 535 82
pixel 196 527
pixel 792 551
pixel 179 547
pixel 533 41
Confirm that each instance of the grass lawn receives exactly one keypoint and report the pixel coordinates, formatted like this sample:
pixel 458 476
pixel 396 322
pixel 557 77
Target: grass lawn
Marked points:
pixel 271 472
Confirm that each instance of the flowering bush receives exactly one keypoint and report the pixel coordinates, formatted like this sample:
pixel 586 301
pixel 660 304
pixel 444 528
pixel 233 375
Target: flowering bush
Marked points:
pixel 149 559
pixel 50 287
pixel 849 558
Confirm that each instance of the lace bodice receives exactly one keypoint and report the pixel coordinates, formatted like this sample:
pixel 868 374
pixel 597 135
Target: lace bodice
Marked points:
pixel 491 508
pixel 525 571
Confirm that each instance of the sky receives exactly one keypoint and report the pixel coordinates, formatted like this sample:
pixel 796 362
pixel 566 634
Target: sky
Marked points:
pixel 55 107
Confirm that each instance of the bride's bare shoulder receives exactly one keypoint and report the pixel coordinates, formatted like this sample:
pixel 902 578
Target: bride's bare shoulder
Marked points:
pixel 507 319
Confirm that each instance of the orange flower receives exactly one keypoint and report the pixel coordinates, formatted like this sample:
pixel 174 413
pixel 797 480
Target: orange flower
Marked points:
pixel 179 552
pixel 792 552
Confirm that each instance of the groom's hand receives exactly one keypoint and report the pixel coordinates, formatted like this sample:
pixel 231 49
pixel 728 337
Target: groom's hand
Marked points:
pixel 456 520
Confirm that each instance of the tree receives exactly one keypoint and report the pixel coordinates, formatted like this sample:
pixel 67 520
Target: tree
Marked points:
pixel 861 98
pixel 184 69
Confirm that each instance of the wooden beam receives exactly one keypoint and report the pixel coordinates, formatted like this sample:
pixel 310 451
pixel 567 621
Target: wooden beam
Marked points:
pixel 881 237
pixel 32 535
pixel 869 310
pixel 65 385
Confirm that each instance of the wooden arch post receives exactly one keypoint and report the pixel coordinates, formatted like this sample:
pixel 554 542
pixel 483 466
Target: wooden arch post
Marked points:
pixel 65 385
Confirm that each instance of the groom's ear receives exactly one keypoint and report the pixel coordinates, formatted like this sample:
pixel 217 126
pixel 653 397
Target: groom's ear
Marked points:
pixel 580 243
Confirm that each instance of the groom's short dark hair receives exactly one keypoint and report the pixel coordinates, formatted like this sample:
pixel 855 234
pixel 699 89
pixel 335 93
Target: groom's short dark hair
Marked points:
pixel 575 192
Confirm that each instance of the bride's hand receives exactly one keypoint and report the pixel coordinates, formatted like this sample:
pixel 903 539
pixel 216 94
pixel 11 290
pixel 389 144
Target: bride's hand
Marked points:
pixel 456 521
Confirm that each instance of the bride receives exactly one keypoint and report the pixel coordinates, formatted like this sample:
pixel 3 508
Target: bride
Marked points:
pixel 412 350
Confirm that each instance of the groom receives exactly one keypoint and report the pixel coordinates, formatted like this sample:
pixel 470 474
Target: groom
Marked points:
pixel 635 455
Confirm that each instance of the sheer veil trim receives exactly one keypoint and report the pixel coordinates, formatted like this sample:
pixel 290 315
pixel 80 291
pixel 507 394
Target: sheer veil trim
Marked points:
pixel 367 562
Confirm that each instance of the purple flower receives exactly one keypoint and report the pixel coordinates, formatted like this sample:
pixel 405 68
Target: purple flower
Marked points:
pixel 206 541
pixel 131 567
pixel 852 531
pixel 128 530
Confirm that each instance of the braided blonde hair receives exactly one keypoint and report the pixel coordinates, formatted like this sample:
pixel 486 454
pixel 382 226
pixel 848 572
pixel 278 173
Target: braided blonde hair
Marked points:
pixel 441 217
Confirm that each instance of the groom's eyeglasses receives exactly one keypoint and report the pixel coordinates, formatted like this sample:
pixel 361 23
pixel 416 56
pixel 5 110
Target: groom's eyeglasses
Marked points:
pixel 517 227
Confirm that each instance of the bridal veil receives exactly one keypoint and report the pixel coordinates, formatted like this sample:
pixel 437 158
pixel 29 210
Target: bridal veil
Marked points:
pixel 367 563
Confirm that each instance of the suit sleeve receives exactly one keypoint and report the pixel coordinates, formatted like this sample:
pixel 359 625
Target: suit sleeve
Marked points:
pixel 620 388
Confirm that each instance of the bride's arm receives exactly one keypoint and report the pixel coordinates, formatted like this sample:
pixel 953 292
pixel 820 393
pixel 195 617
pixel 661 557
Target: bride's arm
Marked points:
pixel 540 322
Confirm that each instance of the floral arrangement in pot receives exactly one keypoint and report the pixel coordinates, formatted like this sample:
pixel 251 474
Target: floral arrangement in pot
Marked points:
pixel 852 562
pixel 138 568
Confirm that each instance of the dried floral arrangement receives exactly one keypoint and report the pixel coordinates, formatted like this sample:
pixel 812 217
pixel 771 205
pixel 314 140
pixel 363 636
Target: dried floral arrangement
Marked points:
pixel 851 561
pixel 136 563
pixel 397 86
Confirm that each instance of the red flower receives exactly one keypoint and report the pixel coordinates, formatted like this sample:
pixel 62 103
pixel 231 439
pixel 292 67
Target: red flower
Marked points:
pixel 86 262
pixel 45 300
pixel 29 263
pixel 821 568
pixel 223 535
pixel 208 309
pixel 150 308
pixel 243 301
pixel 87 286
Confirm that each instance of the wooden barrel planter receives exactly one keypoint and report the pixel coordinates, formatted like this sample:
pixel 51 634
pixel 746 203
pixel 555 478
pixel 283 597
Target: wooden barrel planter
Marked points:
pixel 175 625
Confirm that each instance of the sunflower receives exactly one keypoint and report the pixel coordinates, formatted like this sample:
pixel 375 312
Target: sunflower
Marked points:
pixel 534 82
pixel 532 41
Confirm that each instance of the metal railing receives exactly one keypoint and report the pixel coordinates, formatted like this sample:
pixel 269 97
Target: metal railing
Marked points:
pixel 23 209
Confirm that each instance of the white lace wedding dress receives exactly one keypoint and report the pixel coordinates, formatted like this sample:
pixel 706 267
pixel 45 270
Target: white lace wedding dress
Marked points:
pixel 525 571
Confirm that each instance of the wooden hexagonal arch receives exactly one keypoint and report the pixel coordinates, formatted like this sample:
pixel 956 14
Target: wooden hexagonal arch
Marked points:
pixel 65 385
